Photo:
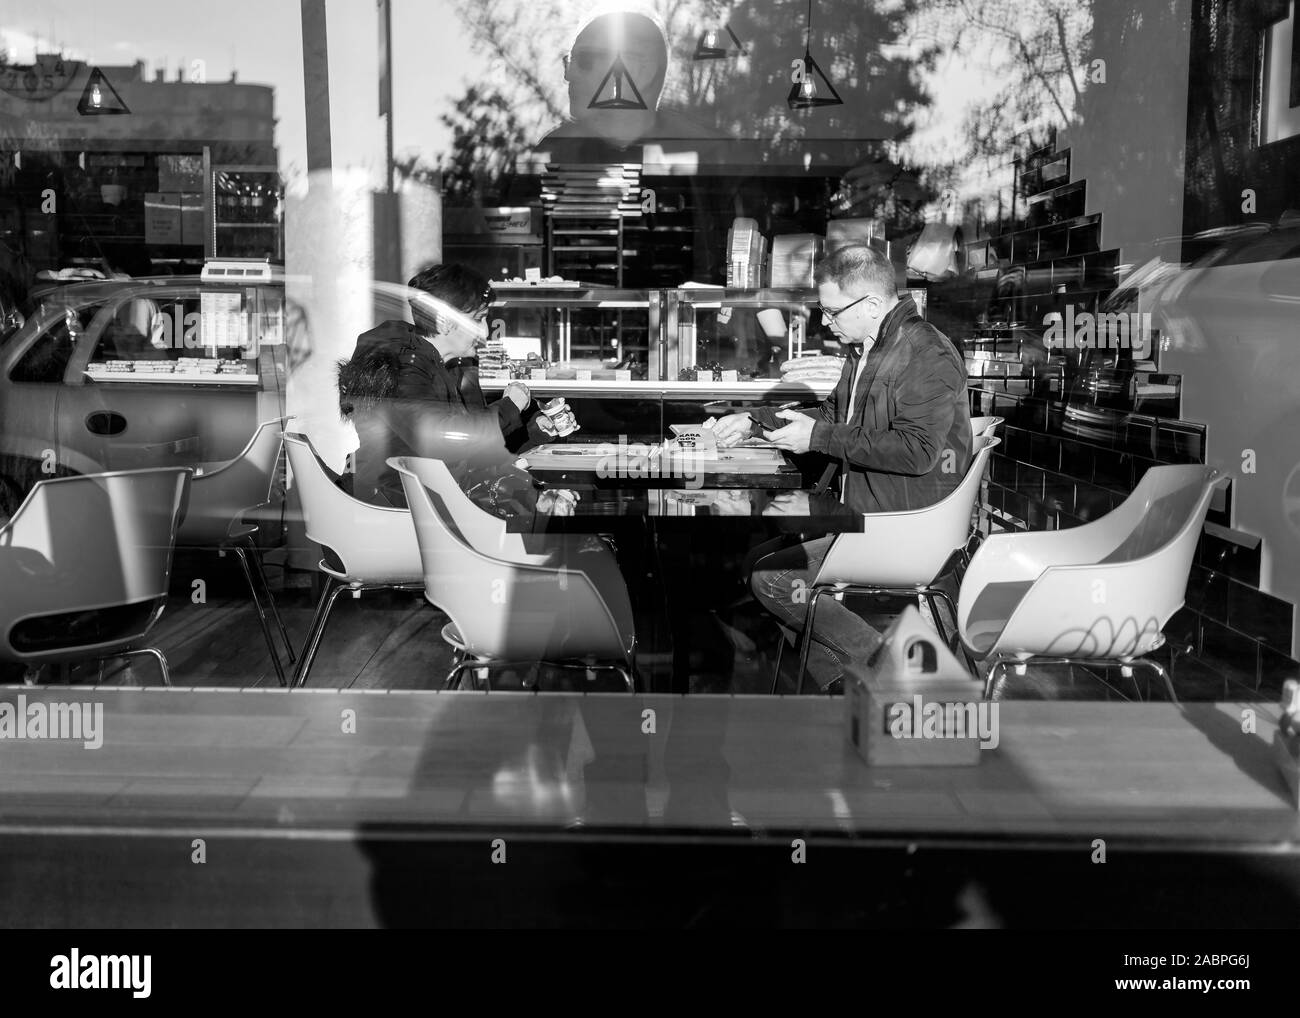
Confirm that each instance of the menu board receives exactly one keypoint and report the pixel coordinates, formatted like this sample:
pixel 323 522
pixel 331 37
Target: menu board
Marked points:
pixel 222 319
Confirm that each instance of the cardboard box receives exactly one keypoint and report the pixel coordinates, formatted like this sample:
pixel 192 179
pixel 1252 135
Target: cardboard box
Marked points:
pixel 916 705
pixel 162 218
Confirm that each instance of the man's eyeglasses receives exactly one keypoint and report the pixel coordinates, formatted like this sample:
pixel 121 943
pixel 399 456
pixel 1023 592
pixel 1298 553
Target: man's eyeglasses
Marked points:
pixel 830 315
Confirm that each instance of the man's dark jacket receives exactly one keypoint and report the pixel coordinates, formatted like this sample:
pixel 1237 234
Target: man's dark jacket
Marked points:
pixel 406 401
pixel 911 409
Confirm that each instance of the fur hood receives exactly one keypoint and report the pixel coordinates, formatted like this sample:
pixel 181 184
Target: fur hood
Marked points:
pixel 370 375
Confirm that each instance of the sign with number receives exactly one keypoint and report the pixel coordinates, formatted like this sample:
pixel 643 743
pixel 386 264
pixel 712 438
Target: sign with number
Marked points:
pixel 46 78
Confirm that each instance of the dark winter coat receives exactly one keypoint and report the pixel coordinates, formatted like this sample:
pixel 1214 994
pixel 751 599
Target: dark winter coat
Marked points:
pixel 909 442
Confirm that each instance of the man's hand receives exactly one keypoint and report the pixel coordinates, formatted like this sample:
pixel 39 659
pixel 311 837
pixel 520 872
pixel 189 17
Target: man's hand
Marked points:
pixel 788 503
pixel 794 437
pixel 557 502
pixel 519 395
pixel 732 429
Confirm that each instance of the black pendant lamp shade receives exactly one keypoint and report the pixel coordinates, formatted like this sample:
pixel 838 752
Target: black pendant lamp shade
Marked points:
pixel 99 98
pixel 615 82
pixel 719 44
pixel 815 89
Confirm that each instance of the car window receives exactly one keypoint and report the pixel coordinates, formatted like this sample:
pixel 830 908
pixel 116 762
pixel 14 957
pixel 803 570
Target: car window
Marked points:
pixel 180 332
pixel 47 358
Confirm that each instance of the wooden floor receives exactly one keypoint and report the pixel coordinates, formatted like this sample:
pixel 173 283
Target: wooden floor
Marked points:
pixel 392 640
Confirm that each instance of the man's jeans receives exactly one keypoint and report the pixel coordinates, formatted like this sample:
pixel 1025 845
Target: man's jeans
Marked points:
pixel 782 582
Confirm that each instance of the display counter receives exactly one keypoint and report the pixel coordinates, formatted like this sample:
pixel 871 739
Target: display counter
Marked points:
pixel 763 390
pixel 683 329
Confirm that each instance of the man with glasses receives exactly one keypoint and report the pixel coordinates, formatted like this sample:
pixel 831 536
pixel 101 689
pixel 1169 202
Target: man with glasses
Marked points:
pixel 897 427
pixel 413 390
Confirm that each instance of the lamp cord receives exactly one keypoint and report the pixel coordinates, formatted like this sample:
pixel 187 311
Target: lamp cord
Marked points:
pixel 807 34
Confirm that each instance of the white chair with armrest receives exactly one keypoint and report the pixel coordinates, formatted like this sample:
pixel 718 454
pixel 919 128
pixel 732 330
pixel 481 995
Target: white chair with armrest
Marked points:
pixel 85 564
pixel 898 553
pixel 1099 593
pixel 508 614
pixel 374 547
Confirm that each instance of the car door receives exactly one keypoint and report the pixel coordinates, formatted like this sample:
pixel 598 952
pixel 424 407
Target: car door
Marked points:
pixel 133 400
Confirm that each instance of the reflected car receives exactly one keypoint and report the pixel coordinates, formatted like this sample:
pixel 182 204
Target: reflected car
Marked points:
pixel 127 374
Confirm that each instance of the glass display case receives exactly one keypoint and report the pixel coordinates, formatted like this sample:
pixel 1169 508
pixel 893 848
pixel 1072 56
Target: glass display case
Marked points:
pixel 247 204
pixel 692 342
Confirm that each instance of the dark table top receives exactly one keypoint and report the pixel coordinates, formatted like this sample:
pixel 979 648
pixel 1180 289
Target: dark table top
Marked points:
pixel 602 509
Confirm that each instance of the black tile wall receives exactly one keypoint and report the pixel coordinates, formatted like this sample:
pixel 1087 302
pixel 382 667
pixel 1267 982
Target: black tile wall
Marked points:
pixel 1218 551
pixel 1260 616
pixel 1237 653
pixel 1207 592
pixel 1274 669
pixel 1183 630
pixel 1071 453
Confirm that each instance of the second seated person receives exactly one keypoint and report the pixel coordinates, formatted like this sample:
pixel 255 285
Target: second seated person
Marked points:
pixel 412 390
pixel 898 407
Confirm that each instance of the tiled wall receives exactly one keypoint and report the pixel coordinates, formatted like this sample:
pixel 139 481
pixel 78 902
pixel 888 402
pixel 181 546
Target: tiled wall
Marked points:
pixel 1082 428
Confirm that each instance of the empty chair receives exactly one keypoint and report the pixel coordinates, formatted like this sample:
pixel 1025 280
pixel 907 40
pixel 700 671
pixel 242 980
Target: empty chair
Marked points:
pixel 85 564
pixel 367 547
pixel 509 614
pixel 220 495
pixel 985 425
pixel 900 553
pixel 1101 592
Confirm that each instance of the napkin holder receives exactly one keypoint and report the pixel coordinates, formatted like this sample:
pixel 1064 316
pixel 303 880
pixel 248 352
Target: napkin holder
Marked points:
pixel 915 705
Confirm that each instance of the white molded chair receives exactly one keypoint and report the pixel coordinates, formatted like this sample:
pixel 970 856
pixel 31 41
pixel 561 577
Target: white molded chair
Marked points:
pixel 220 495
pixel 899 553
pixel 85 564
pixel 487 534
pixel 507 614
pixel 1101 592
pixel 375 545
pixel 477 528
pixel 988 427
pixel 985 426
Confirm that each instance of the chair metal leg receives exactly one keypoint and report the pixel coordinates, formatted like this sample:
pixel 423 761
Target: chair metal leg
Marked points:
pixel 805 639
pixel 333 588
pixel 157 655
pixel 935 617
pixel 776 673
pixel 992 665
pixel 261 612
pixel 1161 671
pixel 256 554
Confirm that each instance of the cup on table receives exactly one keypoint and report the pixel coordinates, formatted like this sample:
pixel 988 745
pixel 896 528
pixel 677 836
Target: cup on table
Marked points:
pixel 560 417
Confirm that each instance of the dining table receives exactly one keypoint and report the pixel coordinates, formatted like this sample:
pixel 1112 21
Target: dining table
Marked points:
pixel 684 525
